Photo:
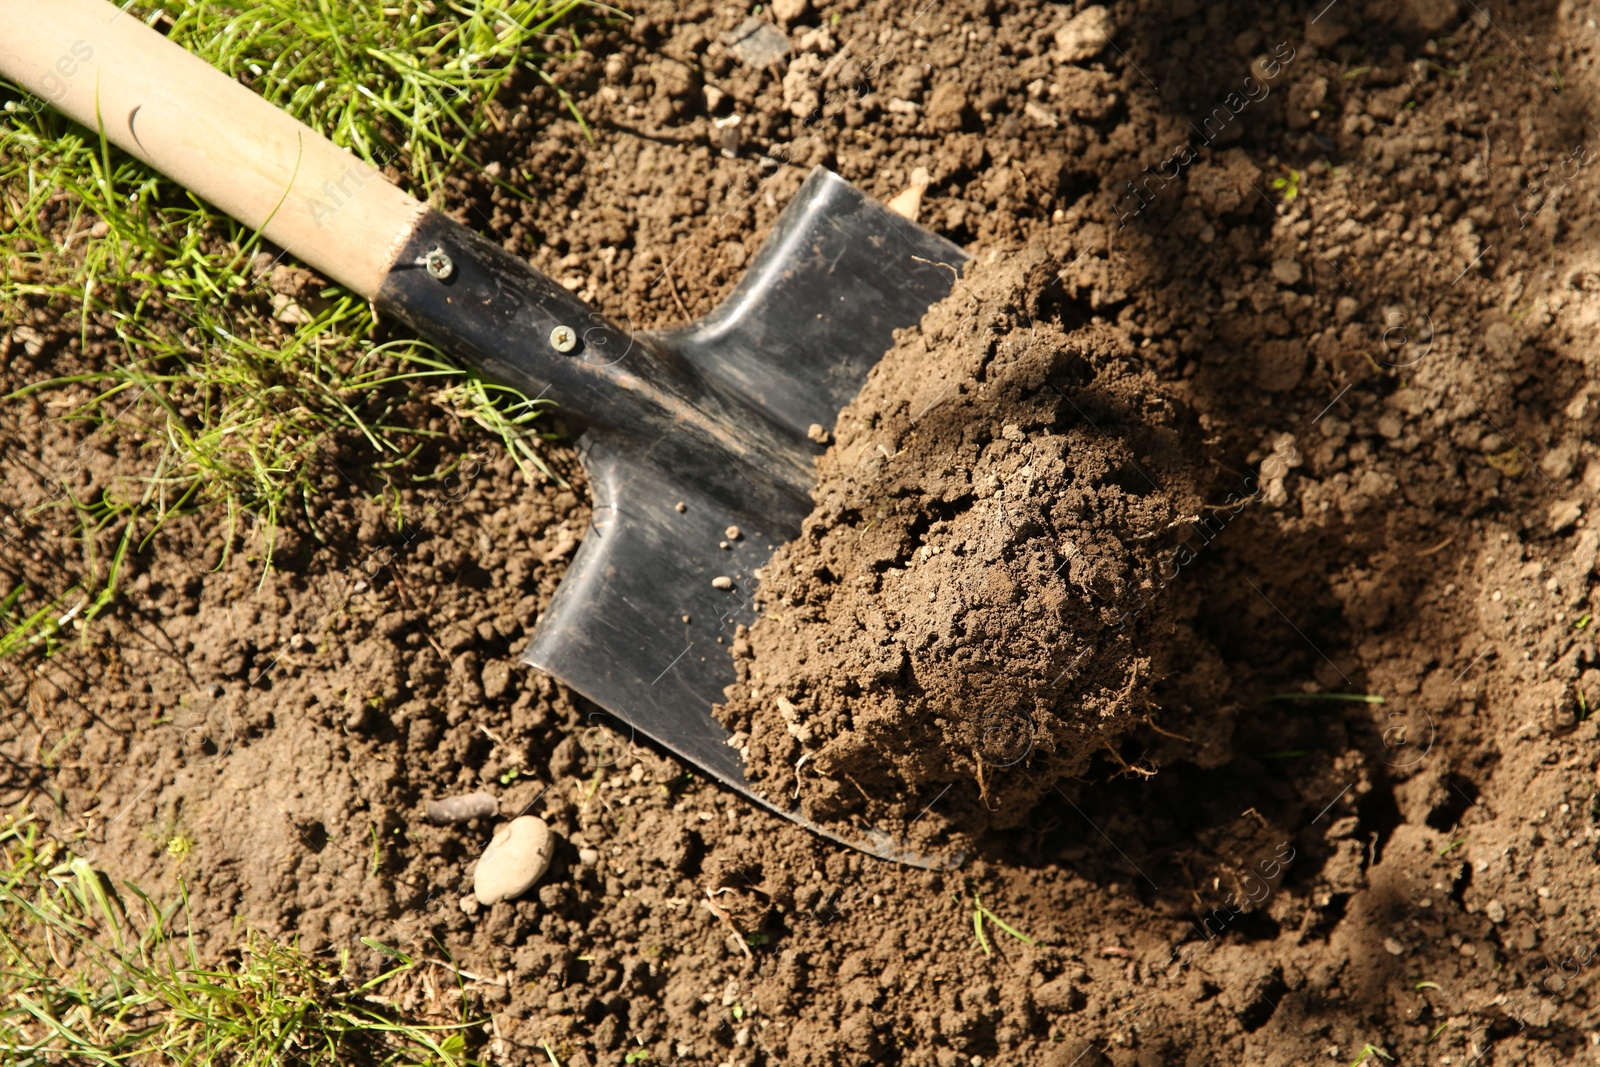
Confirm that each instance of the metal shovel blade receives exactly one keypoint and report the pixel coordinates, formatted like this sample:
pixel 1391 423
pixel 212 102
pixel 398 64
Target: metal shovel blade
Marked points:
pixel 643 623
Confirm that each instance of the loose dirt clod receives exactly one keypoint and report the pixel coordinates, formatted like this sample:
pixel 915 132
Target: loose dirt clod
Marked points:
pixel 517 857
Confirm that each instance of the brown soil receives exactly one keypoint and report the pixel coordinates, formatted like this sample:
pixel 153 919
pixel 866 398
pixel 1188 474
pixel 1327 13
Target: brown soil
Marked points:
pixel 1299 879
pixel 981 595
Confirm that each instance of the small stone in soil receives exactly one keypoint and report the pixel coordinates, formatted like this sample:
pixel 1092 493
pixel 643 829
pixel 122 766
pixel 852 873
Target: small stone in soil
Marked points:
pixel 681 507
pixel 731 533
pixel 818 433
pixel 757 43
pixel 722 581
pixel 1085 35
pixel 517 857
pixel 462 808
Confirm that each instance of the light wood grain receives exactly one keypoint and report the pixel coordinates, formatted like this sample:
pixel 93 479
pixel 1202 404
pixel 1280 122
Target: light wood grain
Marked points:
pixel 156 101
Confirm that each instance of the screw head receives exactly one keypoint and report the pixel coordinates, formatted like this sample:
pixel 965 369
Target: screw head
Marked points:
pixel 563 339
pixel 440 265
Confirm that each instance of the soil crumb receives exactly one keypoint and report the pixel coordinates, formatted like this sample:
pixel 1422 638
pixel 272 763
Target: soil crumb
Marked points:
pixel 978 594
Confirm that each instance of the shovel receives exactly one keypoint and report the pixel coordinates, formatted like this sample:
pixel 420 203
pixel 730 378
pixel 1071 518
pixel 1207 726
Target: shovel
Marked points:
pixel 686 432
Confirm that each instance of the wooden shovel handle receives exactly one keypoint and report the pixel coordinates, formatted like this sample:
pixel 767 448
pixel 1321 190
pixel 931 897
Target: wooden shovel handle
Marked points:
pixel 177 113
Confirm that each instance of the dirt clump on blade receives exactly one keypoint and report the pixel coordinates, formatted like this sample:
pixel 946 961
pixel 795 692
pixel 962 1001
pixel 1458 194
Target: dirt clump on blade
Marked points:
pixel 978 594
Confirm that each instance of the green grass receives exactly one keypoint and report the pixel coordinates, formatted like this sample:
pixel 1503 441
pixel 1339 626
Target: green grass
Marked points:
pixel 1288 186
pixel 39 627
pixel 402 80
pixel 230 396
pixel 981 915
pixel 93 974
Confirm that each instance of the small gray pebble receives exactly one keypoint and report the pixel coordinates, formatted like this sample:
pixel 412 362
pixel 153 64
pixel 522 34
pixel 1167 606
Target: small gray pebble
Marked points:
pixel 462 808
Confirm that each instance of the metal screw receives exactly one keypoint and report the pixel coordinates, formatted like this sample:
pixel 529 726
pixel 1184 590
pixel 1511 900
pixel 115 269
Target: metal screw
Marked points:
pixel 440 265
pixel 563 340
